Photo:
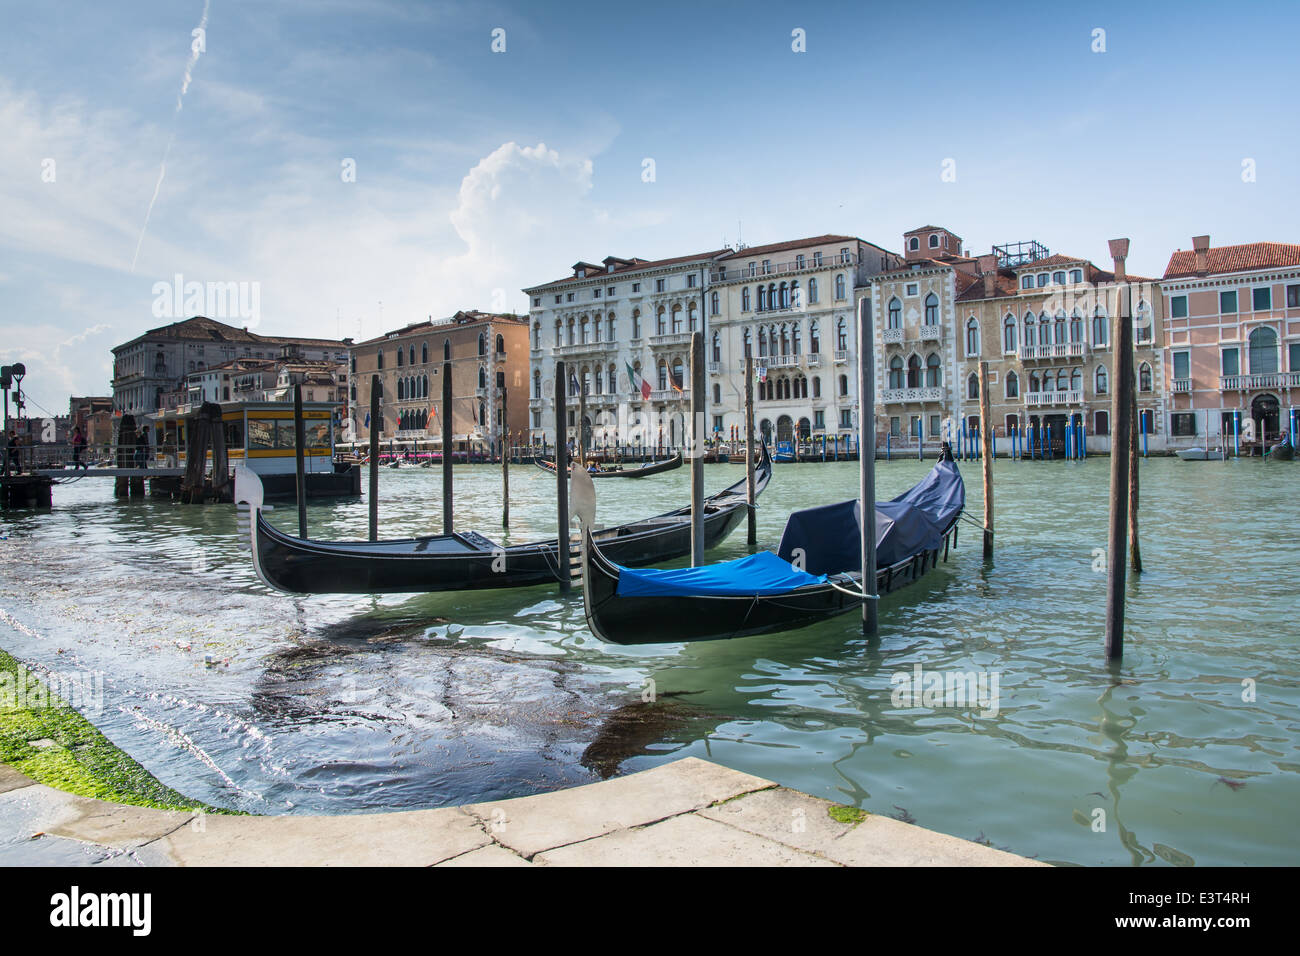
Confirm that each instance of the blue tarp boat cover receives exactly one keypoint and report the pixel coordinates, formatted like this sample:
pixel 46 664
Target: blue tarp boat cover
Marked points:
pixel 830 537
pixel 758 574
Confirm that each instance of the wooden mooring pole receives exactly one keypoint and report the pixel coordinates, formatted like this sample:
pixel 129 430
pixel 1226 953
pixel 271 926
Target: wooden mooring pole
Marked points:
pixel 300 473
pixel 505 464
pixel 1122 404
pixel 867 465
pixel 375 387
pixel 1135 550
pixel 447 454
pixel 696 447
pixel 986 449
pixel 751 537
pixel 562 473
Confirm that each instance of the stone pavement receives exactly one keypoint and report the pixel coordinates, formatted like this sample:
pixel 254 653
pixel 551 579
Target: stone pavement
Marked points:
pixel 687 813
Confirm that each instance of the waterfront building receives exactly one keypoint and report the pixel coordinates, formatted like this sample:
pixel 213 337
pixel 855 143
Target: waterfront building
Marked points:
pixel 914 307
pixel 149 371
pixel 1044 323
pixel 94 415
pixel 1233 339
pixel 623 328
pixel 792 307
pixel 488 352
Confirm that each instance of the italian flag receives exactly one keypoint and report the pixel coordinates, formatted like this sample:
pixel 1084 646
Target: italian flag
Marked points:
pixel 639 383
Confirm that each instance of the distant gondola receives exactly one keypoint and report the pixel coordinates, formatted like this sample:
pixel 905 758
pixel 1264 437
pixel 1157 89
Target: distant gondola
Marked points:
pixel 765 592
pixel 642 471
pixel 1282 451
pixel 467 560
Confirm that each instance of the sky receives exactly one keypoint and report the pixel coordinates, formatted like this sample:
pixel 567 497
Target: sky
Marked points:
pixel 363 164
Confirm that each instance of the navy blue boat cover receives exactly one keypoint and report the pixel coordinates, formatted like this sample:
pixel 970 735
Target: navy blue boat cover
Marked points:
pixel 830 536
pixel 830 540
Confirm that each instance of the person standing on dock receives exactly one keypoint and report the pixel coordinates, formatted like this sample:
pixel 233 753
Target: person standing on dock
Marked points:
pixel 142 448
pixel 78 448
pixel 13 452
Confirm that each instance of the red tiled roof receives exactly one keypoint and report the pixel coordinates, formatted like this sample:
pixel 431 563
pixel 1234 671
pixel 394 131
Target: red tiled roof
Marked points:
pixel 1243 258
pixel 634 265
pixel 792 244
pixel 1056 259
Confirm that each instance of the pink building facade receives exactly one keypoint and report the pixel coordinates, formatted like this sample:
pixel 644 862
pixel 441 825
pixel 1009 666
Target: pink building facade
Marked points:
pixel 1232 342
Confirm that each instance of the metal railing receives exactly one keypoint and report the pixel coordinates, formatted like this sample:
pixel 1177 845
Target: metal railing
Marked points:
pixel 1035 399
pixel 758 271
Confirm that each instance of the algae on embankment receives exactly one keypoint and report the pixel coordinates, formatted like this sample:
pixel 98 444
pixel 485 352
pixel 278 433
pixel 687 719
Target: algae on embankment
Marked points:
pixel 44 738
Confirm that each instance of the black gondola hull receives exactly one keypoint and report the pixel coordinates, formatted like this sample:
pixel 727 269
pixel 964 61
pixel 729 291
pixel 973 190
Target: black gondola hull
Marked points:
pixel 662 620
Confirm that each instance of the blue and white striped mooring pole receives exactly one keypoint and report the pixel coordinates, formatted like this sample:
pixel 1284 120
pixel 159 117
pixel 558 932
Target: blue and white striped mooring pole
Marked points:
pixel 919 440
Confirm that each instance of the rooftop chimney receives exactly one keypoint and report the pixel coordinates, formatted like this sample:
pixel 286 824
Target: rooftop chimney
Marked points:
pixel 1202 246
pixel 988 266
pixel 1119 252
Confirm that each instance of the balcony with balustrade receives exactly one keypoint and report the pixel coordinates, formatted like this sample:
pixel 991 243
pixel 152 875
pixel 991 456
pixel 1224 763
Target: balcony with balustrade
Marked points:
pixel 925 393
pixel 930 333
pixel 670 395
pixel 1181 385
pixel 1245 383
pixel 1030 353
pixel 891 336
pixel 1046 399
pixel 813 359
pixel 841 356
pixel 584 348
pixel 670 340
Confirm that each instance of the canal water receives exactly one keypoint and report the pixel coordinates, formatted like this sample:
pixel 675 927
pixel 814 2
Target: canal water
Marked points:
pixel 1188 753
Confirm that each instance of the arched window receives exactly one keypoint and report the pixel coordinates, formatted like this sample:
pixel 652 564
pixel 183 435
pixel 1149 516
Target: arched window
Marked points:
pixel 914 372
pixel 636 323
pixel 559 333
pixel 839 286
pixel 1044 329
pixel 569 331
pixel 749 343
pixel 1060 328
pixel 424 347
pixel 1263 351
pixel 796 297
pixel 1013 385
pixel 812 290
pixel 896 372
pixel 401 389
pixel 1076 327
pixel 934 241
pixel 762 342
pixel 1029 330
pixel 931 309
pixel 744 299
pixel 973 386
pixel 913 244
pixel 1076 379
pixel 841 335
pixel 1144 378
pixel 660 321
pixel 600 383
pixel 895 313
pixel 713 303
pixel 844 385
pixel 1034 385
pixel 537 384
pixel 814 339
pixel 663 375
pixel 1100 382
pixel 933 373
pixel 972 337
pixel 412 354
pixel 677 318
pixel 1009 333
pixel 795 338
pixel 817 387
pixel 482 344
pixel 717 348
pixel 400 355
pixel 784 296
pixel 446 344
pixel 691 317
pixel 582 331
pixel 1062 380
pixel 772 300
pixel 380 357
pixel 482 377
pixel 1099 324
pixel 762 298
pixel 595 329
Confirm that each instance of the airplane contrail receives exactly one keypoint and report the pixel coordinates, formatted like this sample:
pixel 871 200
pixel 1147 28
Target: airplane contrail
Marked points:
pixel 195 51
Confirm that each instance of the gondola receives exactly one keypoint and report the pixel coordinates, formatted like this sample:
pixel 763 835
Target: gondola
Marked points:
pixel 467 560
pixel 649 468
pixel 1282 451
pixel 765 593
